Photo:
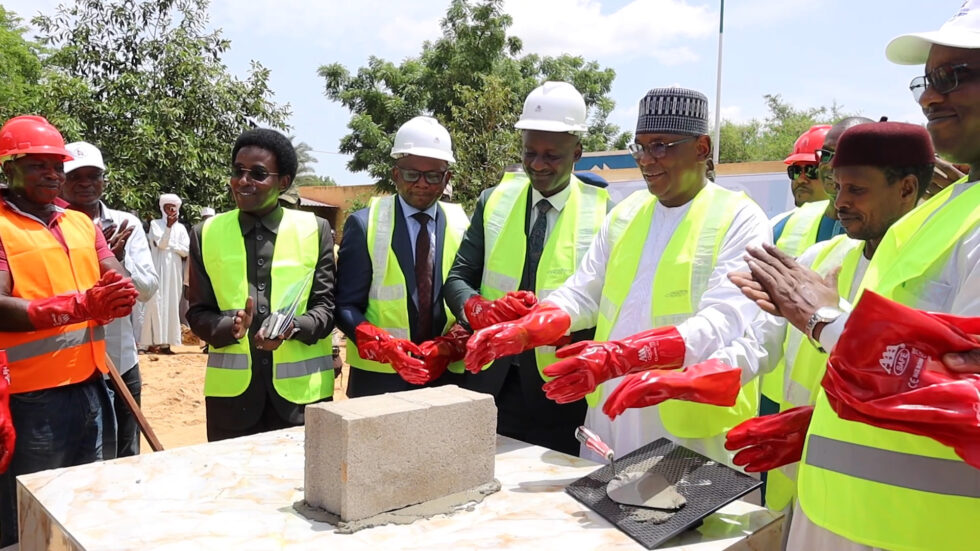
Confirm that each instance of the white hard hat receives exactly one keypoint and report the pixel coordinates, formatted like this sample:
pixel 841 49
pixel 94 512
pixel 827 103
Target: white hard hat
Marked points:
pixel 554 107
pixel 85 154
pixel 425 137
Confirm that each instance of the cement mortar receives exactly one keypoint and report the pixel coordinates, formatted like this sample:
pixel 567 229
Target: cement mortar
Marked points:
pixel 446 505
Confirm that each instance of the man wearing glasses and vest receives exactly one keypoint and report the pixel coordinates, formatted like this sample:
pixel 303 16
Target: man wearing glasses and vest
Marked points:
pixel 59 284
pixel 862 487
pixel 526 236
pixel 658 262
pixel 393 261
pixel 882 170
pixel 247 266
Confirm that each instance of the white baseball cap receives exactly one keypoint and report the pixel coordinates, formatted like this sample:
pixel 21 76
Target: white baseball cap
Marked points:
pixel 85 154
pixel 961 31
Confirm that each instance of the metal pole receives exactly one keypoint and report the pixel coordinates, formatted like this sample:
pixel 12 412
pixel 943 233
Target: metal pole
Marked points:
pixel 717 137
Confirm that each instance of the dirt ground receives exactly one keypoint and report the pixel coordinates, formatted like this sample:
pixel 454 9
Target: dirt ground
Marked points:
pixel 173 395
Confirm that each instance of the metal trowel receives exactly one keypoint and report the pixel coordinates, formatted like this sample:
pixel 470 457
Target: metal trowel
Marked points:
pixel 645 489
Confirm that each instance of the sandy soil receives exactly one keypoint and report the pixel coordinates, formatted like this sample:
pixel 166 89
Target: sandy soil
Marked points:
pixel 173 395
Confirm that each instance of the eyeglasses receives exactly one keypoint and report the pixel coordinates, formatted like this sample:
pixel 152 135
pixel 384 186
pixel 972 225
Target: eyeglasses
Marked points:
pixel 258 174
pixel 656 150
pixel 432 177
pixel 810 171
pixel 824 155
pixel 943 79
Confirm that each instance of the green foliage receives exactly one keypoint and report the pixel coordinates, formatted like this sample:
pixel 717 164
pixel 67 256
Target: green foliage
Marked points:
pixel 20 68
pixel 773 138
pixel 474 81
pixel 144 81
pixel 314 180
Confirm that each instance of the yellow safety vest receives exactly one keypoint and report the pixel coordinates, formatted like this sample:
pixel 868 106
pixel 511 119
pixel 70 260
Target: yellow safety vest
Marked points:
pixel 799 233
pixel 803 365
pixel 301 373
pixel 388 297
pixel 505 242
pixel 886 488
pixel 678 284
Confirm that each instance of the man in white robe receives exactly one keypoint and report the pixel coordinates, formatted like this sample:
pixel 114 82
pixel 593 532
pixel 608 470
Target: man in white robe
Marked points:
pixel 169 244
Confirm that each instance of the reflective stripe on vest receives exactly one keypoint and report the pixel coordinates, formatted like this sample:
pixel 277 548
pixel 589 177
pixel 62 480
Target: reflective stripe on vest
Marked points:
pixel 887 488
pixel 805 364
pixel 799 233
pixel 505 242
pixel 40 267
pixel 388 296
pixel 680 280
pixel 301 373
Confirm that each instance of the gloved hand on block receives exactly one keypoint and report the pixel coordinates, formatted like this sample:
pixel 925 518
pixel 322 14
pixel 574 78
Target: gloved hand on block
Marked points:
pixel 481 312
pixel 113 296
pixel 710 382
pixel 546 324
pixel 442 351
pixel 585 365
pixel 770 441
pixel 896 379
pixel 376 344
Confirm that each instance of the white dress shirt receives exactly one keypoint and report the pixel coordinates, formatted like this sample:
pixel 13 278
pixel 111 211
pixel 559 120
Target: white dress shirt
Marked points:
pixel 557 201
pixel 120 340
pixel 956 289
pixel 723 315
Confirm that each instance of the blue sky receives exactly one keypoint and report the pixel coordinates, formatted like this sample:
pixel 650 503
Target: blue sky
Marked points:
pixel 811 52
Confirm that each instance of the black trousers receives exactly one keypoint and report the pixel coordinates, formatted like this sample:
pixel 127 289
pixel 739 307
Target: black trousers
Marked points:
pixel 269 420
pixel 127 429
pixel 361 382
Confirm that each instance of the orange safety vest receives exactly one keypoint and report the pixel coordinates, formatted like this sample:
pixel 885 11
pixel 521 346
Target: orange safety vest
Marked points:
pixel 41 268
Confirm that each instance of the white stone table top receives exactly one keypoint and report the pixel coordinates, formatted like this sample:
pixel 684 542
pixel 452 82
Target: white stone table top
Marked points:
pixel 239 494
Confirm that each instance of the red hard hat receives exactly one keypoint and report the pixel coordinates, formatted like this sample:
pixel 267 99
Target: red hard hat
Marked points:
pixel 31 135
pixel 806 146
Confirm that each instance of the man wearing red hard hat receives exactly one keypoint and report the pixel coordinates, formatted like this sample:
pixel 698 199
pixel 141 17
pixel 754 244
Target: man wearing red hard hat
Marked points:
pixel 59 284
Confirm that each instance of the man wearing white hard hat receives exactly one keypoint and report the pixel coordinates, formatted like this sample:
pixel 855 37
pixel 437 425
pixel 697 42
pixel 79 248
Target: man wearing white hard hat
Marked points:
pixel 393 262
pixel 527 235
pixel 861 487
pixel 84 185
pixel 653 285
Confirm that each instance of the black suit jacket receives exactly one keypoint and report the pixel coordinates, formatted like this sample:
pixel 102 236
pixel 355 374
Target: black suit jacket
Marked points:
pixel 354 273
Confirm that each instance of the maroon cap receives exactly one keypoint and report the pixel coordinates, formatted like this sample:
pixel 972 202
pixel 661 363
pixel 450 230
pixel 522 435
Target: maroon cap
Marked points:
pixel 881 144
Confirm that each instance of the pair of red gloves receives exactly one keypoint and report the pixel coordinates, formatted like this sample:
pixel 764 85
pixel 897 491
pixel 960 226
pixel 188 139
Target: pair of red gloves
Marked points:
pixel 648 358
pixel 886 371
pixel 422 363
pixel 111 297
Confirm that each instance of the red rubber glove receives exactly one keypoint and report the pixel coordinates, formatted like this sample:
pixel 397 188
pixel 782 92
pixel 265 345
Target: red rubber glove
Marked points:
pixel 442 351
pixel 770 441
pixel 896 380
pixel 7 435
pixel 585 365
pixel 376 344
pixel 710 382
pixel 545 324
pixel 481 312
pixel 112 297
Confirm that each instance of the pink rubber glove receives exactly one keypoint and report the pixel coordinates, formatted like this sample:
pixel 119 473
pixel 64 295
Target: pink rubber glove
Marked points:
pixel 710 382
pixel 112 297
pixel 545 324
pixel 376 344
pixel 587 364
pixel 442 351
pixel 770 441
pixel 481 313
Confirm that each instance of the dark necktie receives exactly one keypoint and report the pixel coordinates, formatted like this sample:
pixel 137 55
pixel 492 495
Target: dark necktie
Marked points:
pixel 535 240
pixel 423 274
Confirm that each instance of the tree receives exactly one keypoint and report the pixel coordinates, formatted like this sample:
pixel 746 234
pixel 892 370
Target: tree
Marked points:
pixel 146 84
pixel 474 81
pixel 773 138
pixel 20 67
pixel 314 180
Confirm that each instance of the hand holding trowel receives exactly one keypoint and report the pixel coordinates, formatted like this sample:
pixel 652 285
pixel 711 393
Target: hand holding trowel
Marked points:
pixel 280 323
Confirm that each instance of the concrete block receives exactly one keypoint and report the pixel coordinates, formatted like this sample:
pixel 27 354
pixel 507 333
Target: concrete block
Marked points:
pixel 379 453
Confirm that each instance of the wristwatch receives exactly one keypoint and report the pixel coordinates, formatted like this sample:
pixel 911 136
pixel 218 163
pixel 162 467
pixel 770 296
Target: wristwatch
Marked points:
pixel 824 314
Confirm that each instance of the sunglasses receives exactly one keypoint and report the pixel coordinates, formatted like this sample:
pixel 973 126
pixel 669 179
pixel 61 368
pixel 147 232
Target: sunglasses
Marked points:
pixel 824 155
pixel 432 177
pixel 656 150
pixel 810 171
pixel 943 80
pixel 254 174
